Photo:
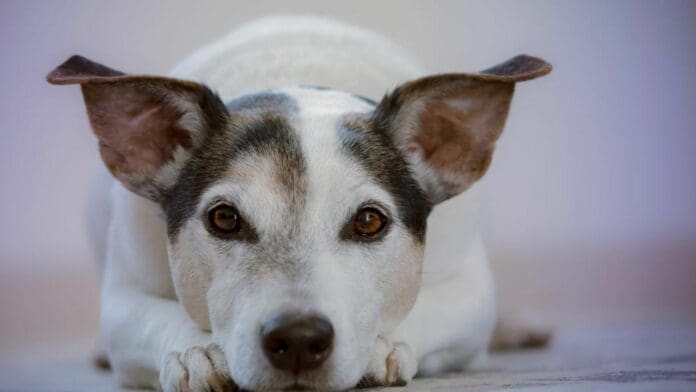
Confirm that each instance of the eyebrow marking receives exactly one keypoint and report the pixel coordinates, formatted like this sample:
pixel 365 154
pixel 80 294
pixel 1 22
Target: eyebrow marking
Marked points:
pixel 273 137
pixel 369 101
pixel 266 101
pixel 378 155
pixel 259 124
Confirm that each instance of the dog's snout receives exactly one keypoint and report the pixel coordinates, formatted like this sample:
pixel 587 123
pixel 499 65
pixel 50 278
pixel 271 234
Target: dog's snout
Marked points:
pixel 296 342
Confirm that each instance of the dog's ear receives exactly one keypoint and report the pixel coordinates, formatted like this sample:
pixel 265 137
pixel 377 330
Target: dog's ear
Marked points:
pixel 447 125
pixel 147 126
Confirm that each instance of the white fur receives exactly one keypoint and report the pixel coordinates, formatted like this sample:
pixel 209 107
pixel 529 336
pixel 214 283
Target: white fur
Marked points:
pixel 143 323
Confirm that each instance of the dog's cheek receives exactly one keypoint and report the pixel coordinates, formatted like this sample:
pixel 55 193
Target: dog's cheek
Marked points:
pixel 401 281
pixel 192 266
pixel 227 319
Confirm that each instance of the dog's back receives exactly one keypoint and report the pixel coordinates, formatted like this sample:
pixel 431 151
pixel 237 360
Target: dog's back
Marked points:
pixel 286 51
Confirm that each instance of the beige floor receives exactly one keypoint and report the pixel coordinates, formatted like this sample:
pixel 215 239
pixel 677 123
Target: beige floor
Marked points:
pixel 648 358
pixel 625 321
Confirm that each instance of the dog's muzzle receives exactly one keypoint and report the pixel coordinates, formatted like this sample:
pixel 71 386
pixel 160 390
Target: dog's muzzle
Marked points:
pixel 296 342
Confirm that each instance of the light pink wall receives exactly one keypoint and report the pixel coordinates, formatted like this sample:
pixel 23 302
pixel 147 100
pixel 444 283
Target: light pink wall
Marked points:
pixel 597 167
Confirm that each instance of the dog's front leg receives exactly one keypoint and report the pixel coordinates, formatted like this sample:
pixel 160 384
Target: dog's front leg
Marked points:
pixel 152 342
pixel 150 339
pixel 452 321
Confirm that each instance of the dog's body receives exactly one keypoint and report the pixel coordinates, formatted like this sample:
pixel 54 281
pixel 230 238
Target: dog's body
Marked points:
pixel 406 307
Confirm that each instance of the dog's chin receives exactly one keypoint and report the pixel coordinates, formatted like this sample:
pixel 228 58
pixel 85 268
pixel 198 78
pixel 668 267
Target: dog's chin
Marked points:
pixel 322 379
pixel 300 385
pixel 302 382
pixel 316 385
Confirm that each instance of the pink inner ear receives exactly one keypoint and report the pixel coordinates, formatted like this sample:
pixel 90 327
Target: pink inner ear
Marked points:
pixel 138 133
pixel 444 136
pixel 457 135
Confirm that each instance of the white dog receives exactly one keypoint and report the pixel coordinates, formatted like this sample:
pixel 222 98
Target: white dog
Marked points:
pixel 270 233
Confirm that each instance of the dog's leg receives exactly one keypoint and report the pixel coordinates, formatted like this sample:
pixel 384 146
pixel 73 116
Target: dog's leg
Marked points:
pixel 450 326
pixel 150 339
pixel 152 342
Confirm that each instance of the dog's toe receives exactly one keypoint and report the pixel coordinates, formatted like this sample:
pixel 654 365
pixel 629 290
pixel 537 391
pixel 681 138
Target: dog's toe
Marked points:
pixel 173 376
pixel 391 365
pixel 197 369
pixel 401 365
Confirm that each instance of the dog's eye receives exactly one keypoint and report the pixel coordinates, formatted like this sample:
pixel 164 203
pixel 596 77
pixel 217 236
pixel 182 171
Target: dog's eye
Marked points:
pixel 369 221
pixel 224 219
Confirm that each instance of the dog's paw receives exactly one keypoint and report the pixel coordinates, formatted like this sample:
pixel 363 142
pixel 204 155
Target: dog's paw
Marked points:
pixel 392 364
pixel 198 369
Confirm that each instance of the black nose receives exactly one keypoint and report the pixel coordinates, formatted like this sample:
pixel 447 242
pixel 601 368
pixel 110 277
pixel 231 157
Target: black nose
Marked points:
pixel 297 342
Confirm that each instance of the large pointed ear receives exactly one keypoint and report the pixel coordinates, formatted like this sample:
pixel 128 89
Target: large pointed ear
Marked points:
pixel 147 126
pixel 447 125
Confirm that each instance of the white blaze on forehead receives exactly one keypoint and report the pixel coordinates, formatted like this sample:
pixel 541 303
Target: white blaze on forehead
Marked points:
pixel 319 101
pixel 336 183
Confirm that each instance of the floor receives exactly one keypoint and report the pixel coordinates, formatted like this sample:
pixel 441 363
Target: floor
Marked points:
pixel 614 358
pixel 605 301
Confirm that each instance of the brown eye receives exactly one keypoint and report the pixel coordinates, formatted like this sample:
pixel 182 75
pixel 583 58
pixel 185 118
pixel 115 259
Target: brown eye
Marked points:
pixel 224 219
pixel 369 222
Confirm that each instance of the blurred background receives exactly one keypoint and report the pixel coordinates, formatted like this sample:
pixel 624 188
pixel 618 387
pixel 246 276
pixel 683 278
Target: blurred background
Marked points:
pixel 590 208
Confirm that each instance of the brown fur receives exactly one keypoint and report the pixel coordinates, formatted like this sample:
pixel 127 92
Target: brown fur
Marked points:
pixel 137 134
pixel 452 121
pixel 136 119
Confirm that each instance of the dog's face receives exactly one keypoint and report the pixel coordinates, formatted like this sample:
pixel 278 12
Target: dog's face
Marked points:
pixel 296 217
pixel 293 221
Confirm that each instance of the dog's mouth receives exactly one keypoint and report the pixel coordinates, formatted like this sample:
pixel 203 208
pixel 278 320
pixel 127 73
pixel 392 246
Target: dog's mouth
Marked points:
pixel 294 386
pixel 298 386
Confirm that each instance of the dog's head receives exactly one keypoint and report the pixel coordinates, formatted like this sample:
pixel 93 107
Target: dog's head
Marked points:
pixel 296 217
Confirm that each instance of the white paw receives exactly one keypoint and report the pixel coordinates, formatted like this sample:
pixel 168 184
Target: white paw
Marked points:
pixel 198 369
pixel 392 364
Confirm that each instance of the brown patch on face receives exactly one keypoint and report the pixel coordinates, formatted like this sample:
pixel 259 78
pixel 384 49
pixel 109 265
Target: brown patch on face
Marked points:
pixel 261 123
pixel 373 148
pixel 268 135
pixel 402 284
pixel 249 140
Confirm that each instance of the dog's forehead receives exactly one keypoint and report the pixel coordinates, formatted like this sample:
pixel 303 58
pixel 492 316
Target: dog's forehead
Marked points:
pixel 318 101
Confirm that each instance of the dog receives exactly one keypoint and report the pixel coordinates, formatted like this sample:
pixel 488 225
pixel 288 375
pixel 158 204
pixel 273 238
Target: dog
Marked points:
pixel 270 233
